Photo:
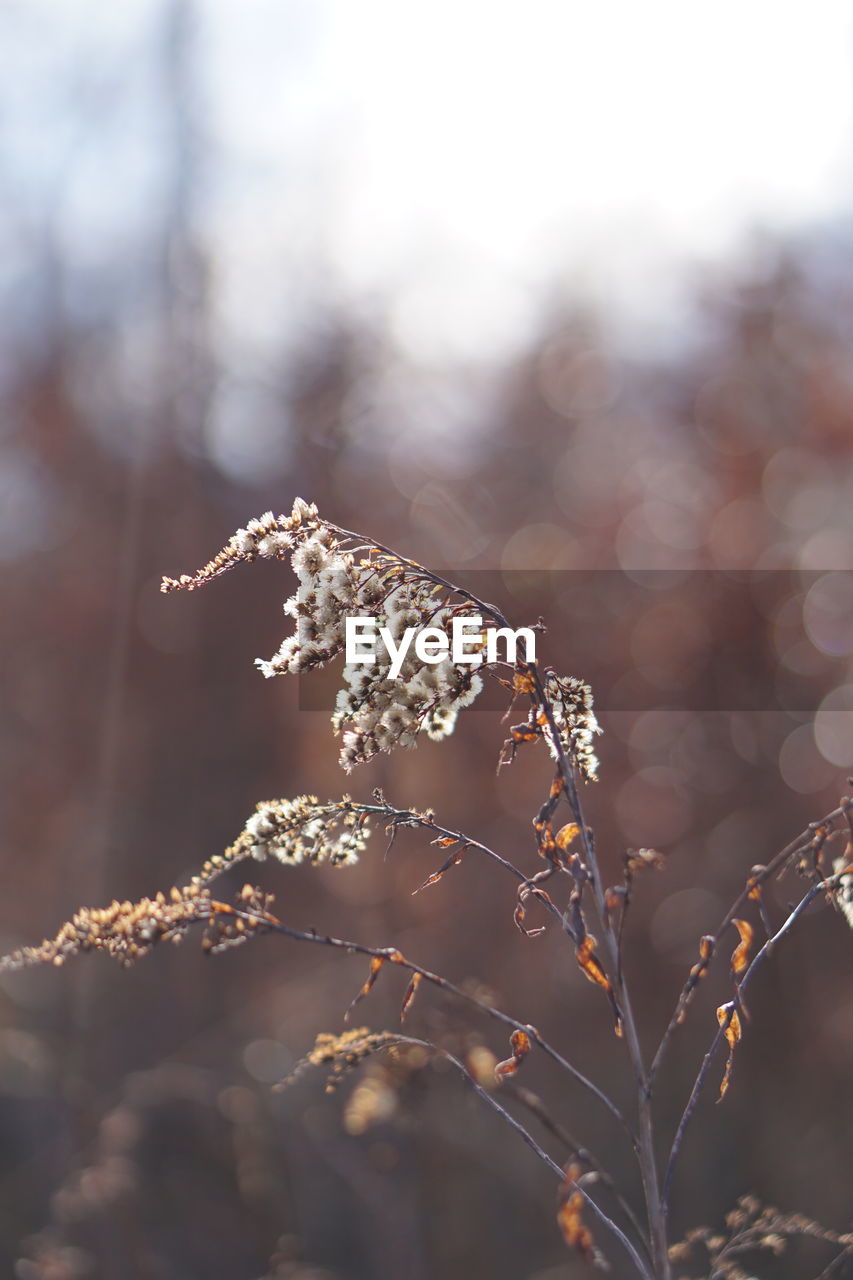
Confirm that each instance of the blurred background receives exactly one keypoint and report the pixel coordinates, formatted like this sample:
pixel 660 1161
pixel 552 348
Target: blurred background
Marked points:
pixel 552 286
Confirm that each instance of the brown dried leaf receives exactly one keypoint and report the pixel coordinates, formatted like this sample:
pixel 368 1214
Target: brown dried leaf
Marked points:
pixel 566 835
pixel 524 733
pixel 754 886
pixel 697 973
pixel 740 955
pixel 569 1218
pixel 594 970
pixel 453 861
pixel 520 1043
pixel 523 682
pixel 728 1018
pixel 545 840
pixel 590 963
pixel 614 898
pixel 518 917
pixel 445 842
pixel 375 967
pixel 411 991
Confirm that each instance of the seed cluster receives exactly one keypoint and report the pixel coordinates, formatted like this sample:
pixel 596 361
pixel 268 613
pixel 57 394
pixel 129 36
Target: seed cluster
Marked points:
pixel 374 712
pixel 126 931
pixel 343 1053
pixel 844 895
pixel 269 537
pixel 303 830
pixel 571 705
pixel 294 831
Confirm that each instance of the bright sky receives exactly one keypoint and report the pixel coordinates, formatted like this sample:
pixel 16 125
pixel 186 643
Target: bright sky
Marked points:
pixel 445 163
pixel 464 154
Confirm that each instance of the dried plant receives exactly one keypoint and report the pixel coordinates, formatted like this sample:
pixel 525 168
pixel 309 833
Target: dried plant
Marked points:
pixel 753 1229
pixel 341 574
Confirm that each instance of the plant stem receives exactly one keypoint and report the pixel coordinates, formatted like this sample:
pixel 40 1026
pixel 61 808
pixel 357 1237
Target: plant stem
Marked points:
pixel 645 1119
pixel 832 882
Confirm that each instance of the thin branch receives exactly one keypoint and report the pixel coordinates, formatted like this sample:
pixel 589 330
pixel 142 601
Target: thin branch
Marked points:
pixel 535 1105
pixel 411 818
pixel 421 571
pixel 392 955
pixel 832 882
pixel 797 845
pixel 832 1267
pixel 645 1137
pixel 614 1228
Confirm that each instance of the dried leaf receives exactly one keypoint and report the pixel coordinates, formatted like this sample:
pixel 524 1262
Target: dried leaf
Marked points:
pixel 570 1221
pixel 697 973
pixel 523 682
pixel 728 1018
pixel 518 917
pixel 445 842
pixel 594 970
pixel 613 898
pixel 411 991
pixel 524 733
pixel 567 834
pixel 590 963
pixel 531 888
pixel 740 955
pixel 453 861
pixel 375 966
pixel 546 842
pixel 520 1043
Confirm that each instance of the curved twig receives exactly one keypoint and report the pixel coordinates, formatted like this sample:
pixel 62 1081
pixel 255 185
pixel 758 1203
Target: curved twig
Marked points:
pixel 797 845
pixel 392 955
pixel 832 882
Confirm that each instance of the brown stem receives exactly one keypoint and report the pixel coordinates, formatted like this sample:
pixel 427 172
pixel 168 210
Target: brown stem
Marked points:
pixel 527 1137
pixel 392 955
pixel 823 886
pixel 775 864
pixel 645 1133
pixel 411 818
pixel 535 1105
